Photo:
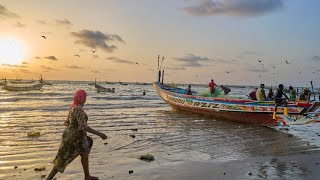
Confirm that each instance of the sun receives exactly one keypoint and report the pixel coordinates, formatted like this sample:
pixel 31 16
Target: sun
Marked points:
pixel 12 51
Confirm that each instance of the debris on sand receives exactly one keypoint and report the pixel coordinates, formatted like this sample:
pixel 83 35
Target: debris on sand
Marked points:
pixel 39 169
pixel 34 134
pixel 134 129
pixel 105 143
pixel 147 157
pixel 133 136
pixel 131 171
pixel 15 167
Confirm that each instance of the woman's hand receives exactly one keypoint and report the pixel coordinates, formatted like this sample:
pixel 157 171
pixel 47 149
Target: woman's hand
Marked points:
pixel 103 136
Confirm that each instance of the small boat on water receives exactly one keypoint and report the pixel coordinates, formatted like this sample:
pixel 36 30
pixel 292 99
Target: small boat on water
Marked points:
pixel 110 82
pixel 20 81
pixel 12 87
pixel 122 83
pixel 137 83
pixel 104 89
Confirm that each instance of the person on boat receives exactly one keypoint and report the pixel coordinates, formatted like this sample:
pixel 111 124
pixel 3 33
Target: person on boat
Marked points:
pixel 305 96
pixel 279 100
pixel 252 95
pixel 292 94
pixel 188 90
pixel 212 86
pixel 260 94
pixel 225 89
pixel 75 140
pixel 144 92
pixel 270 95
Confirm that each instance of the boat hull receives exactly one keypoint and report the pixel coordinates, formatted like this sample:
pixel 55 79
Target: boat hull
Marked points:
pixel 243 111
pixel 23 88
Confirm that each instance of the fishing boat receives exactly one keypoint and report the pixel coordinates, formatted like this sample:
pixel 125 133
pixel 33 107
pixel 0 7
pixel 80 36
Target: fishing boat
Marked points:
pixel 122 83
pixel 11 87
pixel 137 83
pixel 104 89
pixel 239 110
pixel 20 81
pixel 110 82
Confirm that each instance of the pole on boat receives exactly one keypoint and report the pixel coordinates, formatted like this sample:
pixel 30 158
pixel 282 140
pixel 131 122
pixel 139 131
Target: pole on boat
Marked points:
pixel 159 76
pixel 162 76
pixel 314 95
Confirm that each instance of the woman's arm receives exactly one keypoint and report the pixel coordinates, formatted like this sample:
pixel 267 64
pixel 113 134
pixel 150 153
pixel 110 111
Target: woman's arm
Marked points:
pixel 90 130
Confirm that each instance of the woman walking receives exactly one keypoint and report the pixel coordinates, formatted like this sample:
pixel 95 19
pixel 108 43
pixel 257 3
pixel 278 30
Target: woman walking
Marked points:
pixel 75 140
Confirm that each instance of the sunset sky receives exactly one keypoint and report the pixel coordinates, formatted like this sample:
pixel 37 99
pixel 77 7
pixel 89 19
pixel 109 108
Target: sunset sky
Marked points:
pixel 200 39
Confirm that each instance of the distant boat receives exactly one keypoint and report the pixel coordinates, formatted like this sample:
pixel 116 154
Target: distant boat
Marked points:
pixel 137 83
pixel 10 87
pixel 44 82
pixel 122 83
pixel 110 82
pixel 19 81
pixel 104 89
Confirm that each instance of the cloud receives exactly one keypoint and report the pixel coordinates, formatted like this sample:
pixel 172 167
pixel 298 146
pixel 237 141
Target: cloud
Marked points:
pixel 63 22
pixel 52 58
pixel 118 60
pixel 24 63
pixel 37 57
pixel 316 58
pixel 255 69
pixel 96 72
pixel 4 13
pixel 95 56
pixel 24 71
pixel 20 25
pixel 48 68
pixel 175 68
pixel 244 8
pixel 41 22
pixel 74 67
pixel 192 60
pixel 97 39
pixel 14 66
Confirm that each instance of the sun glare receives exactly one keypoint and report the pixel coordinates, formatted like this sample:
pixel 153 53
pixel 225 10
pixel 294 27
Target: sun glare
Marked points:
pixel 11 51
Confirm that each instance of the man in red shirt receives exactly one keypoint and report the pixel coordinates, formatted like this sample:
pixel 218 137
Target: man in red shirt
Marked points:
pixel 212 86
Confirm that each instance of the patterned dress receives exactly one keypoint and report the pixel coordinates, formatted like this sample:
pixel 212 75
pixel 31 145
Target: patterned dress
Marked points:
pixel 74 139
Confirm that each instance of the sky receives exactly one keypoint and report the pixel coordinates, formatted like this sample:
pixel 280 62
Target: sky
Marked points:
pixel 245 42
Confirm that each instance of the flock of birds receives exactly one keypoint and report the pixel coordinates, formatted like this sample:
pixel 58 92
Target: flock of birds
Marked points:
pixel 77 55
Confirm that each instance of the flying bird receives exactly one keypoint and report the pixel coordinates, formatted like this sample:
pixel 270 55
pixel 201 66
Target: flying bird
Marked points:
pixel 273 67
pixel 259 61
pixel 287 62
pixel 44 37
pixel 77 55
pixel 93 51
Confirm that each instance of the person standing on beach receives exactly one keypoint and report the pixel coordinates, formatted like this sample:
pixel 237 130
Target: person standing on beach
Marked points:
pixel 292 94
pixel 260 94
pixel 225 89
pixel 212 86
pixel 75 140
pixel 279 101
pixel 188 90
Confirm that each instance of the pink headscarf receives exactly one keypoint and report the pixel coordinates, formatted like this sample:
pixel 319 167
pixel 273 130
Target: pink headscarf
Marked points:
pixel 79 98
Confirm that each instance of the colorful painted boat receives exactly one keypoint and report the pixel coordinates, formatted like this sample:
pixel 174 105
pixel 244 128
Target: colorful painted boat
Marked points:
pixel 10 87
pixel 239 110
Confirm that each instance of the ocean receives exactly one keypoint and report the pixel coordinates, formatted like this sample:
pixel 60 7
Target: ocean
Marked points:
pixel 170 136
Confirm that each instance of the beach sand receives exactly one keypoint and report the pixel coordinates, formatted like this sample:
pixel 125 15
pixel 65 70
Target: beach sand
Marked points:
pixel 298 166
